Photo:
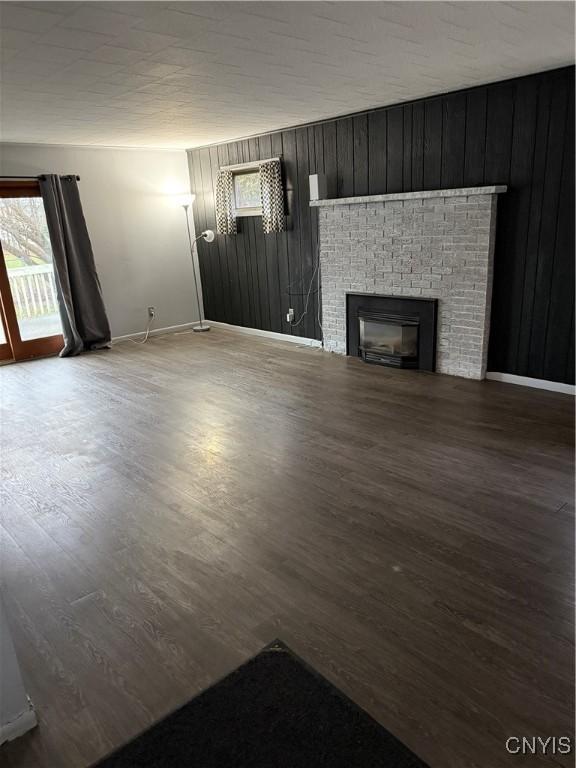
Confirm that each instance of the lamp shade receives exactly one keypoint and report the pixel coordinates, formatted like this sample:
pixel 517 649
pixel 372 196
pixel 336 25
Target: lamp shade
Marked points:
pixel 185 200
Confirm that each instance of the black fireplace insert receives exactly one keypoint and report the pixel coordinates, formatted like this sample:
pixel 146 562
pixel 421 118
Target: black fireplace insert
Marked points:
pixel 392 330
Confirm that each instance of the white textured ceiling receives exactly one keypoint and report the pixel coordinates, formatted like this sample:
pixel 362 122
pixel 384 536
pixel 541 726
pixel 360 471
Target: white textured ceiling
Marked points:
pixel 180 74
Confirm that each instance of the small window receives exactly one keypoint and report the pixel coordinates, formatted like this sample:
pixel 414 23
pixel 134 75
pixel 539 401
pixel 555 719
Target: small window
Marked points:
pixel 247 199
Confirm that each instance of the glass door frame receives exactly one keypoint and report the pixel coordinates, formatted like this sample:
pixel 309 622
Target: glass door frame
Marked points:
pixel 16 348
pixel 5 347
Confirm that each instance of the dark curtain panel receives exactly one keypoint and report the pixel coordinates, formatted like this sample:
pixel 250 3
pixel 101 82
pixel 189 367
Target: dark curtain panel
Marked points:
pixel 84 321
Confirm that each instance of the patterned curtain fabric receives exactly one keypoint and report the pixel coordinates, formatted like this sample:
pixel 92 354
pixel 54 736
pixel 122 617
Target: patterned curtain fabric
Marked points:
pixel 273 218
pixel 225 215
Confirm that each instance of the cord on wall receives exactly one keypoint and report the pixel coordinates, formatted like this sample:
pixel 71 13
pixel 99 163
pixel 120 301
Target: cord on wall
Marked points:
pixel 309 292
pixel 146 332
pixel 305 312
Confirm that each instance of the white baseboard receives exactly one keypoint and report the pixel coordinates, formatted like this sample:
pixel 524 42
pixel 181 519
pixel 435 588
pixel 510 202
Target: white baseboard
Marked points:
pixel 507 378
pixel 267 334
pixel 155 332
pixel 526 381
pixel 18 727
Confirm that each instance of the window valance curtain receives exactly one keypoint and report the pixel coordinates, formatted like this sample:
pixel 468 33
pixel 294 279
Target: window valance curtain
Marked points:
pixel 84 321
pixel 272 193
pixel 225 213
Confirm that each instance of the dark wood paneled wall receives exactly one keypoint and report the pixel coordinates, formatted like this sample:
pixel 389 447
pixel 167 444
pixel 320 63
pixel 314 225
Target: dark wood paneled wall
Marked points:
pixel 519 132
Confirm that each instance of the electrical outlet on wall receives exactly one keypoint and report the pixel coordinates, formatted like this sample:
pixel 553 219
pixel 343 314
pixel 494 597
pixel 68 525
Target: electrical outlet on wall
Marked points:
pixel 290 315
pixel 151 312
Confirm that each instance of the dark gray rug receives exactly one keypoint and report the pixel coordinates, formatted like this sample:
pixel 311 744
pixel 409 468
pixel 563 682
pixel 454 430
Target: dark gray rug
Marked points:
pixel 272 712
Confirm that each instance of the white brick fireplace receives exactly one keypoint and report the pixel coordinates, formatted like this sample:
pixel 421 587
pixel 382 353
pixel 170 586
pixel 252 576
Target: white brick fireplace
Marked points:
pixel 436 244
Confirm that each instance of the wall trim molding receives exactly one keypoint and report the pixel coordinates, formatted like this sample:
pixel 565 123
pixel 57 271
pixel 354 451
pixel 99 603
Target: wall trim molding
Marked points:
pixel 506 378
pixel 155 332
pixel 226 326
pixel 18 727
pixel 526 381
pixel 267 334
pixel 114 147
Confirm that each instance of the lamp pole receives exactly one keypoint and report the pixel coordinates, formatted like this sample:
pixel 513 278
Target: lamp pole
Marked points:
pixel 208 235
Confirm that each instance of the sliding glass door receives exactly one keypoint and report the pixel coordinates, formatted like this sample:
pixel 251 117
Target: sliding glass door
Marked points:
pixel 28 302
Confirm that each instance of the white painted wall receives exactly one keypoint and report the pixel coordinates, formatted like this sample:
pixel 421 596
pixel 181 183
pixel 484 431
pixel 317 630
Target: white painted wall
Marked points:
pixel 138 233
pixel 16 716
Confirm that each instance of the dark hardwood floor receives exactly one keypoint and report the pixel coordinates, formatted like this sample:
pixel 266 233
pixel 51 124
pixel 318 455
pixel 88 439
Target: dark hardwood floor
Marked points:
pixel 169 509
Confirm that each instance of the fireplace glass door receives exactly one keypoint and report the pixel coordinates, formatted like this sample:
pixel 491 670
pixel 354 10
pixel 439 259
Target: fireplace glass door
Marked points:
pixel 398 331
pixel 389 339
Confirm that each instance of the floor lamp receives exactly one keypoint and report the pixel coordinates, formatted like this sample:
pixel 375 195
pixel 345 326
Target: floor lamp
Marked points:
pixel 207 235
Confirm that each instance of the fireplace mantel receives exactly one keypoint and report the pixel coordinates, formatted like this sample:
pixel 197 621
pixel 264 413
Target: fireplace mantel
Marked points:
pixel 459 192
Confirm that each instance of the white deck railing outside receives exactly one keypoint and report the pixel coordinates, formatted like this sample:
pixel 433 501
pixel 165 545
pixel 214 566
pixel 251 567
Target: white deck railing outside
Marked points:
pixel 33 290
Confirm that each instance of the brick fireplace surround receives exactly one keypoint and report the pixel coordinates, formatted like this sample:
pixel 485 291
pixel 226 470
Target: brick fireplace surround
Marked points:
pixel 435 244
